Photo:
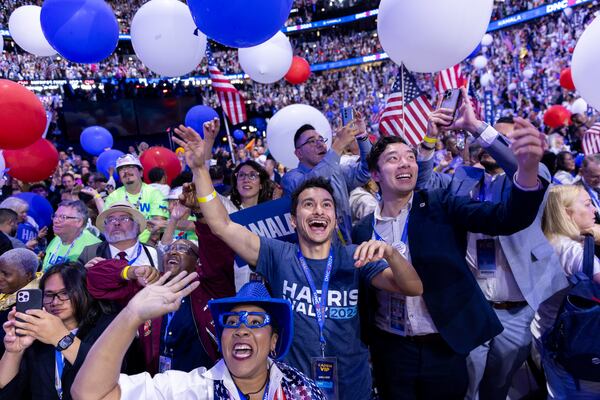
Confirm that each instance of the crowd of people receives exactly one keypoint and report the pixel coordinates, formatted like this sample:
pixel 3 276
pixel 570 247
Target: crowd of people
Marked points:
pixel 372 270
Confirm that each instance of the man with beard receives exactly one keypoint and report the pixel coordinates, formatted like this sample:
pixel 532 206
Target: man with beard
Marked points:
pixel 121 225
pixel 515 272
pixel 182 340
pixel 144 198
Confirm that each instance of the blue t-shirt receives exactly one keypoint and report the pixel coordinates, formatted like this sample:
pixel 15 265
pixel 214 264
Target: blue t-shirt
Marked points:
pixel 278 263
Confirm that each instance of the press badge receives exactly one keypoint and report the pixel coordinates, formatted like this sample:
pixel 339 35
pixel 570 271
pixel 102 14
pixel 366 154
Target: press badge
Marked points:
pixel 164 364
pixel 486 258
pixel 325 376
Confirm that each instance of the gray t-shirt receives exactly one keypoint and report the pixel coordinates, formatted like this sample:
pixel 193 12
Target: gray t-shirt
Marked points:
pixel 279 264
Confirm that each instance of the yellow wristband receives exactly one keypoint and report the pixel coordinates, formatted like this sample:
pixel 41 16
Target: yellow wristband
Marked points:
pixel 124 272
pixel 97 196
pixel 208 198
pixel 430 140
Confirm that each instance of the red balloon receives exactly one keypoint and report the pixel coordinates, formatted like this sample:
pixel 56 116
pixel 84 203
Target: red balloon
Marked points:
pixel 299 71
pixel 566 79
pixel 557 116
pixel 163 158
pixel 22 116
pixel 33 163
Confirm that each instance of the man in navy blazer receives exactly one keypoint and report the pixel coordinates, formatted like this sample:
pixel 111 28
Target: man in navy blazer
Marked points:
pixel 419 344
pixel 522 269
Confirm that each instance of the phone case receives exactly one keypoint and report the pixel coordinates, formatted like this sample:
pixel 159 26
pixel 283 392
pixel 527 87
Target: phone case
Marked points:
pixel 451 101
pixel 29 299
pixel 347 115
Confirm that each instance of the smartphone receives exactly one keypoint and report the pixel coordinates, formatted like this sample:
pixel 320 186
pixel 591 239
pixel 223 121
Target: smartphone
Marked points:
pixel 451 100
pixel 347 115
pixel 28 299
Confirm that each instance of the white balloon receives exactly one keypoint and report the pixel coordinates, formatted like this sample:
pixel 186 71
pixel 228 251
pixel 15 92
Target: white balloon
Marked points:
pixel 432 35
pixel 487 40
pixel 480 62
pixel 579 106
pixel 269 61
pixel 486 79
pixel 26 30
pixel 162 35
pixel 512 86
pixel 554 45
pixel 585 62
pixel 528 73
pixel 285 123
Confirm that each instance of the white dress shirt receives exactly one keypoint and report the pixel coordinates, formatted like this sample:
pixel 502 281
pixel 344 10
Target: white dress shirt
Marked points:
pixel 132 252
pixel 396 313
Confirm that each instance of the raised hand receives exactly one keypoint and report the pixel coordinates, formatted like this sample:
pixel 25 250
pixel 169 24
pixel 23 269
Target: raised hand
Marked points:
pixel 188 197
pixel 193 144
pixel 373 250
pixel 144 274
pixel 180 212
pixel 438 122
pixel 528 145
pixel 12 342
pixel 42 326
pixel 465 114
pixel 211 130
pixel 162 297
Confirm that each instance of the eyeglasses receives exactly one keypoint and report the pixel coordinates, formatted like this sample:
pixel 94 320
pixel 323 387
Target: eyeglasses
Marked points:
pixel 121 220
pixel 49 297
pixel 252 320
pixel 252 176
pixel 63 218
pixel 180 248
pixel 314 141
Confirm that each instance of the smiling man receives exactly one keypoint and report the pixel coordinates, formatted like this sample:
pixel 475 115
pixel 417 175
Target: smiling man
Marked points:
pixel 183 340
pixel 315 160
pixel 144 198
pixel 327 325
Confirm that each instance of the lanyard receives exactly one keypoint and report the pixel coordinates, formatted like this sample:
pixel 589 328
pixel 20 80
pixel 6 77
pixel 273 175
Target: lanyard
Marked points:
pixel 60 365
pixel 265 394
pixel 55 252
pixel 169 319
pixel 404 237
pixel 321 303
pixel 139 251
pixel 139 200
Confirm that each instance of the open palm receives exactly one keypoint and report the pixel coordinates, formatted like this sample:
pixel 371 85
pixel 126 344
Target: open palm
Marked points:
pixel 193 144
pixel 163 296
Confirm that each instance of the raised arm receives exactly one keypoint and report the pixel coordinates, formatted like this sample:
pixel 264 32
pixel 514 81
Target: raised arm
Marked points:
pixel 245 243
pixel 98 377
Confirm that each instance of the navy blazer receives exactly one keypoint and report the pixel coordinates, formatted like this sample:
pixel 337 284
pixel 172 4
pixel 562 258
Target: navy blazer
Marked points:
pixel 437 240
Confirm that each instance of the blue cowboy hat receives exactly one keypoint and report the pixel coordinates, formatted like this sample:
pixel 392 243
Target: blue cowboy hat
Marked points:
pixel 257 294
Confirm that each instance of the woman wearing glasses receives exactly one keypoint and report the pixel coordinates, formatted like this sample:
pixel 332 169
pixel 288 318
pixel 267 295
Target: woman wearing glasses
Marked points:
pixel 254 331
pixel 182 340
pixel 42 363
pixel 71 238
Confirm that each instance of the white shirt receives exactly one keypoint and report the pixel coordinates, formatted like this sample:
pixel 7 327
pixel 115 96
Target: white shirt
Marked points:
pixel 132 252
pixel 197 384
pixel 501 285
pixel 570 255
pixel 396 313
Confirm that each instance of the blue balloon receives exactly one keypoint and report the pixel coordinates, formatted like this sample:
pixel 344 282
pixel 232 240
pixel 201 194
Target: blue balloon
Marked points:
pixel 82 31
pixel 107 160
pixel 40 208
pixel 240 23
pixel 197 116
pixel 238 134
pixel 96 139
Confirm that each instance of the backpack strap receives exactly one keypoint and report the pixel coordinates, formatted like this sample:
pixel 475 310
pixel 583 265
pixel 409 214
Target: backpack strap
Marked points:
pixel 588 256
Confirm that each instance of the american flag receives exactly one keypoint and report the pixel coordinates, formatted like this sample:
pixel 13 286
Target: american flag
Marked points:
pixel 405 117
pixel 451 78
pixel 475 101
pixel 231 100
pixel 591 140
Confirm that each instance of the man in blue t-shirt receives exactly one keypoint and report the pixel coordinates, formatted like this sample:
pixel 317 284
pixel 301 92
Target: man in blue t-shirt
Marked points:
pixel 326 334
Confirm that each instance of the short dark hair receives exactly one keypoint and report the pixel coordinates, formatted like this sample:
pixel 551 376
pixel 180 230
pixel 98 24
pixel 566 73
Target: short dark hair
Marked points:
pixel 156 174
pixel 380 146
pixel 67 174
pixel 300 131
pixel 505 120
pixel 38 186
pixel 99 177
pixel 319 183
pixel 265 193
pixel 7 215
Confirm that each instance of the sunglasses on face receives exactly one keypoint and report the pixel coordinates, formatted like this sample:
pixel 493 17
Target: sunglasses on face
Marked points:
pixel 252 320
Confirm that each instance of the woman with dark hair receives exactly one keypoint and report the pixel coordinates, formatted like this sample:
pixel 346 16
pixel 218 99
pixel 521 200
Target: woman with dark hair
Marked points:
pixel 46 348
pixel 250 185
pixel 565 169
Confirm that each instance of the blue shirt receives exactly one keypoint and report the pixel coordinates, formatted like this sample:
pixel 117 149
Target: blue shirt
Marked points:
pixel 278 263
pixel 182 342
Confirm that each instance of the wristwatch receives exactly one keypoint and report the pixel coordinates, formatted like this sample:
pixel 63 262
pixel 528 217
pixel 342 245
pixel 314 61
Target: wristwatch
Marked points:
pixel 65 342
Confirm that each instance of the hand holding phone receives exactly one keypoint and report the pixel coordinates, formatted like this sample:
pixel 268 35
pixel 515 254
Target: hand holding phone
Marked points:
pixel 28 299
pixel 451 101
pixel 347 115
